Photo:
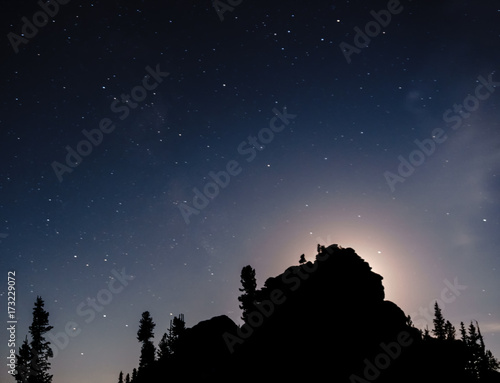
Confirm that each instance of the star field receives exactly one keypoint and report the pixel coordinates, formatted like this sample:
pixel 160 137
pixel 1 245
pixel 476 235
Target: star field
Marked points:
pixel 194 167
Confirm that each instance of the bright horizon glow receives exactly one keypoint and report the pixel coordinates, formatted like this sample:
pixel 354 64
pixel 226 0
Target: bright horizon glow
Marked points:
pixel 390 258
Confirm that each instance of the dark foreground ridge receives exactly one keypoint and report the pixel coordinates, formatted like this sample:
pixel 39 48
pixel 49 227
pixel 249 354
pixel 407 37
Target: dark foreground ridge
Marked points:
pixel 321 319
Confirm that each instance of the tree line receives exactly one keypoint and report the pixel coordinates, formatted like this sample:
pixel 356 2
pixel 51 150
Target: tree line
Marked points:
pixel 479 361
pixel 32 360
pixel 33 357
pixel 151 357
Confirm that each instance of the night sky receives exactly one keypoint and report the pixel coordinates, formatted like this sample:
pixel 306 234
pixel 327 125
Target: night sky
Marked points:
pixel 149 152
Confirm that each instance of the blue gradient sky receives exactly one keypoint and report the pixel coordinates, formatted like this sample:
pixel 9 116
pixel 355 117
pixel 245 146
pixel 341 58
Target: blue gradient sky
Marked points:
pixel 319 180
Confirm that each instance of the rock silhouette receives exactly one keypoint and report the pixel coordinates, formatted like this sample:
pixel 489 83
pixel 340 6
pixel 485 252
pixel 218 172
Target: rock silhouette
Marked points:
pixel 319 320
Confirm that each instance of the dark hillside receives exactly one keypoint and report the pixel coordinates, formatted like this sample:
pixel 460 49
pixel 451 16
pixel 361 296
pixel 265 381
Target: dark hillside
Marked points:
pixel 322 318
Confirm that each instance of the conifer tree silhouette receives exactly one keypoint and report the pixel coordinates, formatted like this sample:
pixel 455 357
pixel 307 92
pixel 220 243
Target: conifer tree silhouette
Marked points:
pixel 449 331
pixel 492 362
pixel 120 377
pixel 439 323
pixel 127 378
pixel 163 348
pixel 144 335
pixel 249 284
pixel 39 347
pixel 463 333
pixel 134 375
pixel 469 364
pixel 177 328
pixel 475 350
pixel 483 362
pixel 426 335
pixel 23 362
pixel 486 362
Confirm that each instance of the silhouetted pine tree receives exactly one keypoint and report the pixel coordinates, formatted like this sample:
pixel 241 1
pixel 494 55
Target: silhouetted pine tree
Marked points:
pixel 439 323
pixel 177 328
pixel 127 378
pixel 426 335
pixel 144 335
pixel 475 351
pixel 169 342
pixel 483 362
pixel 134 375
pixel 163 348
pixel 463 333
pixel 493 363
pixel 449 331
pixel 40 349
pixel 23 362
pixel 249 284
pixel 147 358
pixel 469 364
pixel 146 327
pixel 120 377
pixel 486 361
